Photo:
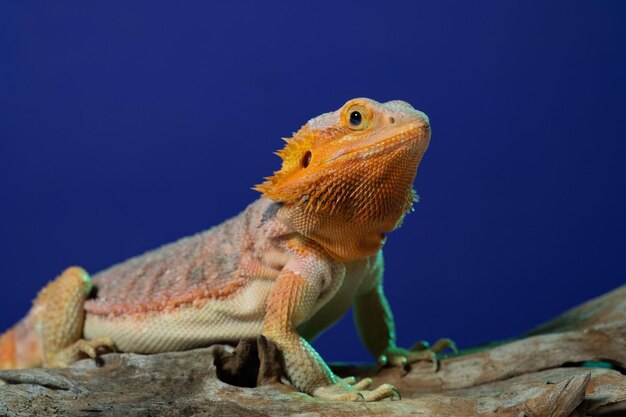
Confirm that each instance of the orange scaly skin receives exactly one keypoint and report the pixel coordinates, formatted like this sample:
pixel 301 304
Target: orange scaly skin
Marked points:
pixel 287 267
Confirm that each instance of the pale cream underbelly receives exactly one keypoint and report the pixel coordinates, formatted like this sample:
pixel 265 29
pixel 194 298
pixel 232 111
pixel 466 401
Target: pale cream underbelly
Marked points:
pixel 216 320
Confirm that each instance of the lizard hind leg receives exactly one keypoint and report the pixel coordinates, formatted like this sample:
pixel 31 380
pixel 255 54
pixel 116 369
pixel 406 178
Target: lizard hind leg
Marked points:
pixel 59 316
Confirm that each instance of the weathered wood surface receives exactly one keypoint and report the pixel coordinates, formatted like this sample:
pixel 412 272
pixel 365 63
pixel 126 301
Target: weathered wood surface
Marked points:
pixel 536 375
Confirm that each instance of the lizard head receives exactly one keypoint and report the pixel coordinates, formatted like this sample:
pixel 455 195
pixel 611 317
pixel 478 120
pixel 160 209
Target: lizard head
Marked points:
pixel 352 168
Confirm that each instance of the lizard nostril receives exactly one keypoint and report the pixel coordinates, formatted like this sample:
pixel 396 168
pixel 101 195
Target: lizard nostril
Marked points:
pixel 392 120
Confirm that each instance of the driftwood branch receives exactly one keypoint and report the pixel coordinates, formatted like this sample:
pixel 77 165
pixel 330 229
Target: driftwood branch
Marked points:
pixel 571 366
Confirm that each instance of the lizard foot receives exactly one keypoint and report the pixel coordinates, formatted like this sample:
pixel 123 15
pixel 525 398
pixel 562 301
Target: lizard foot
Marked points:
pixel 422 350
pixel 348 389
pixel 81 348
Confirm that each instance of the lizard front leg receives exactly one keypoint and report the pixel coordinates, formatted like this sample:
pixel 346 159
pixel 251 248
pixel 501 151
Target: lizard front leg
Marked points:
pixel 292 301
pixel 59 315
pixel 375 324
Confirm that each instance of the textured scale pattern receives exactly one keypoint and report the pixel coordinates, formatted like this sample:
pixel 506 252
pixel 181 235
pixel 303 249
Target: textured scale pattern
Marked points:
pixel 184 272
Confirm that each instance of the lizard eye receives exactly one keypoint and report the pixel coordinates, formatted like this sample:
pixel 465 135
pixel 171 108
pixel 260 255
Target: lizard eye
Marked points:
pixel 357 117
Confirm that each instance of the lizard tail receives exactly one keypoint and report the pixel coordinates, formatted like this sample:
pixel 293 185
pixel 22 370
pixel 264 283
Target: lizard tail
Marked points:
pixel 20 347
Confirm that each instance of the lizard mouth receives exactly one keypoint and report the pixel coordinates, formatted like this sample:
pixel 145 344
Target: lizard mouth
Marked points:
pixel 416 133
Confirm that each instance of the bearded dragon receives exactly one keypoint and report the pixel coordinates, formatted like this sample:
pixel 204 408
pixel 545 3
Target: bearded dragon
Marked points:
pixel 287 267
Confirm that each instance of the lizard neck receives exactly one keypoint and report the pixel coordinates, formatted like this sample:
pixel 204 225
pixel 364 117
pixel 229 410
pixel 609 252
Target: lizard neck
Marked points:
pixel 346 235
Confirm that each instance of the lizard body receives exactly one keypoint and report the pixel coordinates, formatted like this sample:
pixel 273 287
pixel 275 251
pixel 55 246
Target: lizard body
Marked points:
pixel 287 267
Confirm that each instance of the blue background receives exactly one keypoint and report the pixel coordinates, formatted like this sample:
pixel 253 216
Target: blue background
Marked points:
pixel 123 127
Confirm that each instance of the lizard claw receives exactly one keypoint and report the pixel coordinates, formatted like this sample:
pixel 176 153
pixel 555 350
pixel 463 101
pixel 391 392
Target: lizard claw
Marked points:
pixel 444 343
pixel 362 384
pixel 348 389
pixel 91 348
pixel 396 395
pixel 421 345
pixel 403 358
